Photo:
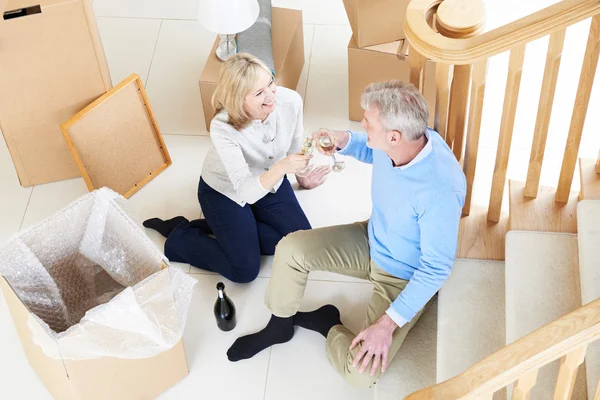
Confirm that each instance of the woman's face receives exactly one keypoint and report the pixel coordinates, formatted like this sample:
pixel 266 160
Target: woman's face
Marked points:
pixel 260 102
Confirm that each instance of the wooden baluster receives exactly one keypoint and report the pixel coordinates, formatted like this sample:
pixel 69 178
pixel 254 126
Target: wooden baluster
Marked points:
pixel 416 63
pixel 598 164
pixel 513 83
pixel 586 81
pixel 544 111
pixel 597 393
pixel 442 98
pixel 459 19
pixel 524 385
pixel 457 114
pixel 475 113
pixel 429 90
pixel 419 68
pixel 567 373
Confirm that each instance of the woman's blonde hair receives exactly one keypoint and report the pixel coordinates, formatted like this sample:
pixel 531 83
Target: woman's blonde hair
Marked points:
pixel 238 77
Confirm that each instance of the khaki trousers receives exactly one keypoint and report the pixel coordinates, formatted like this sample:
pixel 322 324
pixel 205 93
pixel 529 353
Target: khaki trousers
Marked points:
pixel 344 250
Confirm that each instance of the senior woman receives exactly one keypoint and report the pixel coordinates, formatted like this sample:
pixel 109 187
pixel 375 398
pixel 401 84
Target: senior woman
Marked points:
pixel 247 200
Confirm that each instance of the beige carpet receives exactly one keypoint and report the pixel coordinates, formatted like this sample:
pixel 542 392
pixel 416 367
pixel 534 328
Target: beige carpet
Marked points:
pixel 413 368
pixel 588 226
pixel 542 285
pixel 471 322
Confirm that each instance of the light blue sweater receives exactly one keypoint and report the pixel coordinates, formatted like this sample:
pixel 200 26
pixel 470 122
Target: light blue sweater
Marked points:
pixel 413 230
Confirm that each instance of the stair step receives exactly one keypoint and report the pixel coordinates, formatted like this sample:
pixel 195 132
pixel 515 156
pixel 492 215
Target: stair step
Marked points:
pixel 590 180
pixel 588 220
pixel 471 321
pixel 413 368
pixel 542 285
pixel 543 213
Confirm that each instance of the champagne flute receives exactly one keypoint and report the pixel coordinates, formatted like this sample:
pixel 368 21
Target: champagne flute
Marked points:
pixel 327 143
pixel 308 146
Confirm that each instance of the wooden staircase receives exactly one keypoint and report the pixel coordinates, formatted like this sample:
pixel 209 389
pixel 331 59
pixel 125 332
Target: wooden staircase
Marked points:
pixel 520 313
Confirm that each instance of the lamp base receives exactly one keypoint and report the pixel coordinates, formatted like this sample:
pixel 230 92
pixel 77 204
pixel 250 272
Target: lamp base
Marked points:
pixel 227 47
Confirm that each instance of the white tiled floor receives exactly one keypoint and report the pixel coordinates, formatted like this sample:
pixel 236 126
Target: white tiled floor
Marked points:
pixel 162 42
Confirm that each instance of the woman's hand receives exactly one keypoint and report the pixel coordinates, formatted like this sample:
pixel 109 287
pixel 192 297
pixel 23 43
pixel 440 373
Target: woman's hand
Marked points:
pixel 316 178
pixel 294 163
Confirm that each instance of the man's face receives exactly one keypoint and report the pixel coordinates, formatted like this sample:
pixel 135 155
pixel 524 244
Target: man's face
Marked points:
pixel 376 133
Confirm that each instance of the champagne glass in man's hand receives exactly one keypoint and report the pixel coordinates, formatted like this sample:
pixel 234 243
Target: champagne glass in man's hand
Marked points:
pixel 327 145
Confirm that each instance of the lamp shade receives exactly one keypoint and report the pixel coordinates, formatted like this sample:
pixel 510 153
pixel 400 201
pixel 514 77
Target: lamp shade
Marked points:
pixel 227 16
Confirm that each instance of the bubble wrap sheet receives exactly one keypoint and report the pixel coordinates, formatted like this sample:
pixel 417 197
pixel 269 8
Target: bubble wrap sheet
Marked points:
pixel 93 282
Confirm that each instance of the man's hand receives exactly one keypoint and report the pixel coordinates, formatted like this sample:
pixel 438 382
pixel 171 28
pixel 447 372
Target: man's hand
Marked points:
pixel 316 177
pixel 340 137
pixel 376 341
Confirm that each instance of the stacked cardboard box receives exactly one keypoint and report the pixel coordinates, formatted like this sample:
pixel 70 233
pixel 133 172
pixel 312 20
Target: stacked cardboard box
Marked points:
pixel 288 56
pixel 53 65
pixel 378 50
pixel 376 21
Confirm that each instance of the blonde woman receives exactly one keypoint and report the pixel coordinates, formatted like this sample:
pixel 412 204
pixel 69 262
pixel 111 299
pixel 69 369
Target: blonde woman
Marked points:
pixel 247 200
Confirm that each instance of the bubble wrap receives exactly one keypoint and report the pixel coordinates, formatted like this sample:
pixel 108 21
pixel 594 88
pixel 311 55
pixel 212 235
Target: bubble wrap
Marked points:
pixel 93 282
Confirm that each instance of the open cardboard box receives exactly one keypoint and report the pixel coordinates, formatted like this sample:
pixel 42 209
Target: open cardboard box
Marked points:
pixel 288 56
pixel 99 379
pixel 381 63
pixel 93 303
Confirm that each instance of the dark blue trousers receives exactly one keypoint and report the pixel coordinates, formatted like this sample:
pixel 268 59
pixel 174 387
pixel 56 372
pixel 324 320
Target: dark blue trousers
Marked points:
pixel 241 234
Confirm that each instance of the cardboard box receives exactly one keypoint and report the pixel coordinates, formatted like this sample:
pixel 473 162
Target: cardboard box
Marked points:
pixel 64 281
pixel 288 55
pixel 100 379
pixel 381 63
pixel 376 21
pixel 96 137
pixel 53 65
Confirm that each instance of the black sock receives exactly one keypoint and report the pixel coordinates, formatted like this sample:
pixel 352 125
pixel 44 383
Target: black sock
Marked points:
pixel 202 225
pixel 278 330
pixel 163 227
pixel 321 320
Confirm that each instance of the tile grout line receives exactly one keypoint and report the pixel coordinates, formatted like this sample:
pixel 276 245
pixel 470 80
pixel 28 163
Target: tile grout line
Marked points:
pixel 364 282
pixel 26 208
pixel 195 20
pixel 267 375
pixel 183 134
pixel 153 53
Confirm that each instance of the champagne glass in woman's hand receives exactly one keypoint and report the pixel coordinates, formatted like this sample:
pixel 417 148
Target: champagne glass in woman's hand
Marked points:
pixel 328 146
pixel 308 146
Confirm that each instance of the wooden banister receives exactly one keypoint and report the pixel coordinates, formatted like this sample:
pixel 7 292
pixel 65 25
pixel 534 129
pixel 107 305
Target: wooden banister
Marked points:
pixel 584 91
pixel 542 124
pixel 436 47
pixel 453 41
pixel 567 336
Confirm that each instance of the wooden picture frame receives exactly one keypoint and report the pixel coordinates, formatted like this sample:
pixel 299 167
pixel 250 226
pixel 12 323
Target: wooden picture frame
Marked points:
pixel 116 141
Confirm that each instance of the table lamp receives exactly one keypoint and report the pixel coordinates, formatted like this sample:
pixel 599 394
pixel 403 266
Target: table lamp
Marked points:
pixel 227 18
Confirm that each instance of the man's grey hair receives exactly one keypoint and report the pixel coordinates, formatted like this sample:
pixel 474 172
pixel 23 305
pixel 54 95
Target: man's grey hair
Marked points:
pixel 401 107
